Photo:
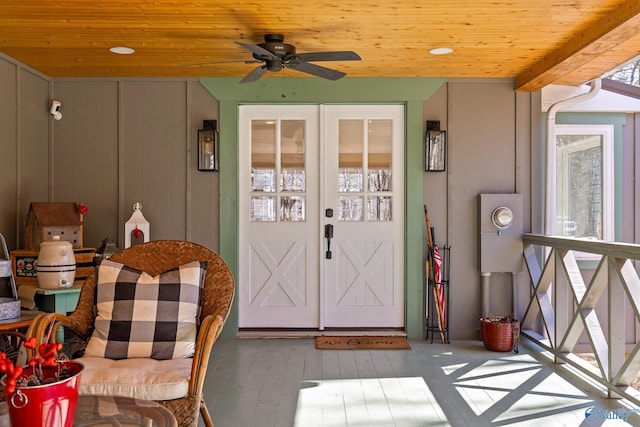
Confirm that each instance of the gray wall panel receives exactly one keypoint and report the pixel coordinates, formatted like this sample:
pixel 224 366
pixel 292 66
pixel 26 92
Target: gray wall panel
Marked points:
pixel 33 145
pixel 482 152
pixel 154 159
pixel 8 151
pixel 85 163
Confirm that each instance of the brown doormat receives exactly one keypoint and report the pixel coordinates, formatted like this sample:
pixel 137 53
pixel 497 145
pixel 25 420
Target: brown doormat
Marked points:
pixel 362 343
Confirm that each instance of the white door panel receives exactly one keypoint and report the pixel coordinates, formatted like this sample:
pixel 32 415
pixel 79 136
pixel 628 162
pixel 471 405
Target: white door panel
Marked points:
pixel 278 220
pixel 364 185
pixel 297 161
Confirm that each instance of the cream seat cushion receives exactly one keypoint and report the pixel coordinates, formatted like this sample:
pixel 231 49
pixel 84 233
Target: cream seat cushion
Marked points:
pixel 140 378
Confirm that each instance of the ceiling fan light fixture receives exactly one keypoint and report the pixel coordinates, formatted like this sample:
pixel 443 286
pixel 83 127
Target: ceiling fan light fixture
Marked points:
pixel 441 51
pixel 122 50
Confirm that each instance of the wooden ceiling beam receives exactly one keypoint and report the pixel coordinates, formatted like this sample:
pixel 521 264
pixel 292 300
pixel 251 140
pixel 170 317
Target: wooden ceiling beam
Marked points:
pixel 608 32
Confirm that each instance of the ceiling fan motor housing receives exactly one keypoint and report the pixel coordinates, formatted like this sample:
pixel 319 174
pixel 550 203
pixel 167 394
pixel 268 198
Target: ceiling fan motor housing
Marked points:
pixel 275 44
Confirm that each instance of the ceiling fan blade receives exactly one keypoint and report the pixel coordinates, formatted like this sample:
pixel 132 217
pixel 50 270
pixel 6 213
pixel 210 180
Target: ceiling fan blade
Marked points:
pixel 258 52
pixel 316 70
pixel 197 64
pixel 328 56
pixel 255 74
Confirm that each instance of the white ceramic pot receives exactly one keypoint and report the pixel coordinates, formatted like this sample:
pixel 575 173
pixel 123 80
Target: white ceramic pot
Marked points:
pixel 56 264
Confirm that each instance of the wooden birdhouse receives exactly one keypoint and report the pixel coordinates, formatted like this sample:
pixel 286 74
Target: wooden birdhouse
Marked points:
pixel 48 219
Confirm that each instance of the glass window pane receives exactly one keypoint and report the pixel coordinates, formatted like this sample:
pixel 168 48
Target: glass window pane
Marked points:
pixel 292 180
pixel 350 208
pixel 349 180
pixel 380 144
pixel 263 144
pixel 263 180
pixel 379 208
pixel 292 154
pixel 579 180
pixel 263 155
pixel 350 155
pixel 263 208
pixel 379 180
pixel 292 208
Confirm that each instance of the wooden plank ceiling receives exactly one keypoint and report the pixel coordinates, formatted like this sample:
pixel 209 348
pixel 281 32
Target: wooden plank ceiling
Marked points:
pixel 534 42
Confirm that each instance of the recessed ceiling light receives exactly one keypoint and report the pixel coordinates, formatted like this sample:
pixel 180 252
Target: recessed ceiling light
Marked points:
pixel 441 51
pixel 121 50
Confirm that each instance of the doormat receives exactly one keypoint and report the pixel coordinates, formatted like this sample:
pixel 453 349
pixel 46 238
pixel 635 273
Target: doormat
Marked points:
pixel 362 343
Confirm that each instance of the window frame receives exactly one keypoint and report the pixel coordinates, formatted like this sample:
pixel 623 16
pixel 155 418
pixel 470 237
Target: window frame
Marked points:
pixel 606 133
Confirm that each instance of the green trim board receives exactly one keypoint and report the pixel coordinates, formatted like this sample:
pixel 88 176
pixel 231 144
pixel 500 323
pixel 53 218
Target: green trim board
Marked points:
pixel 411 92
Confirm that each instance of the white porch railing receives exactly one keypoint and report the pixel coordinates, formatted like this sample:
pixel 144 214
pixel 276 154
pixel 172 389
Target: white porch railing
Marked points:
pixel 562 307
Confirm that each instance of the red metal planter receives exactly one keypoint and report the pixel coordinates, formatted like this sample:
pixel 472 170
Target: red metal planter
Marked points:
pixel 47 405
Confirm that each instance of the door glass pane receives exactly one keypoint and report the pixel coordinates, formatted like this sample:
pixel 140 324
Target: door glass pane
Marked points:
pixel 350 169
pixel 350 208
pixel 350 159
pixel 349 180
pixel 579 180
pixel 263 155
pixel 379 208
pixel 364 150
pixel 379 155
pixel 379 145
pixel 292 154
pixel 278 151
pixel 292 208
pixel 263 208
pixel 263 170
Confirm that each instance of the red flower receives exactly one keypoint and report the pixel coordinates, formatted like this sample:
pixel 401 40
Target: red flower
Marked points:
pixel 30 343
pixel 83 209
pixel 46 356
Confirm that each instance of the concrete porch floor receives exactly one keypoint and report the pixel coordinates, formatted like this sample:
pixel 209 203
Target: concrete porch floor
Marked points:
pixel 285 382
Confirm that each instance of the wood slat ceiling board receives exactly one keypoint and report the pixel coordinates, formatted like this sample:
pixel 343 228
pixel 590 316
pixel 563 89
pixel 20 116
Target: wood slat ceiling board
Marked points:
pixel 535 42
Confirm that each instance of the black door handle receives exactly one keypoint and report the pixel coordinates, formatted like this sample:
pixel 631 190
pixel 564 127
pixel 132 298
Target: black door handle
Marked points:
pixel 328 234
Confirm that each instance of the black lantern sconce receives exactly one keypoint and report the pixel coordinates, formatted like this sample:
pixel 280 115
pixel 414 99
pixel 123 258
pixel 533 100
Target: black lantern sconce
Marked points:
pixel 435 147
pixel 208 146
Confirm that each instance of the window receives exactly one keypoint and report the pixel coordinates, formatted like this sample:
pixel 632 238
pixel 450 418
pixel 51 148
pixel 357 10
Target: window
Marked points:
pixel 583 182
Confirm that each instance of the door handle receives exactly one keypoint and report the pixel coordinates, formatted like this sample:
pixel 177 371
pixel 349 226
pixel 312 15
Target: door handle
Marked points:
pixel 328 234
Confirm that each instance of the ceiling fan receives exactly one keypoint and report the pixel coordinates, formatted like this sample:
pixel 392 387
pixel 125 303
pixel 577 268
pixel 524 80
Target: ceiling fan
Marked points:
pixel 276 55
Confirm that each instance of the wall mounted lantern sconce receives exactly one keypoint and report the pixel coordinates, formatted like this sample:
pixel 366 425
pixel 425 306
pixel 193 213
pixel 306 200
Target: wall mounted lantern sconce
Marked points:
pixel 435 147
pixel 208 146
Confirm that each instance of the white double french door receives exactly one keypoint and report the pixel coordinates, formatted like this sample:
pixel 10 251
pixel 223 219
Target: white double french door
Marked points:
pixel 321 216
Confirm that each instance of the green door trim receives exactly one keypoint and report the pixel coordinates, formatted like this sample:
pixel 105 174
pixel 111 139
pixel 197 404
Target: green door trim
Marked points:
pixel 410 92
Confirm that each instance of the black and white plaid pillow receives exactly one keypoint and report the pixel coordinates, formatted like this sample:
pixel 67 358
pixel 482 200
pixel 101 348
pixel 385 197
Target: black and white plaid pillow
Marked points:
pixel 143 316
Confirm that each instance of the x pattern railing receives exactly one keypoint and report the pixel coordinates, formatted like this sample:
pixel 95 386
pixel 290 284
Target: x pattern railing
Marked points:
pixel 567 304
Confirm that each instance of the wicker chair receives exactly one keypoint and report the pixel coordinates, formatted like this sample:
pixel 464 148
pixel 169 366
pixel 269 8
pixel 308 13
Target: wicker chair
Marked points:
pixel 154 258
